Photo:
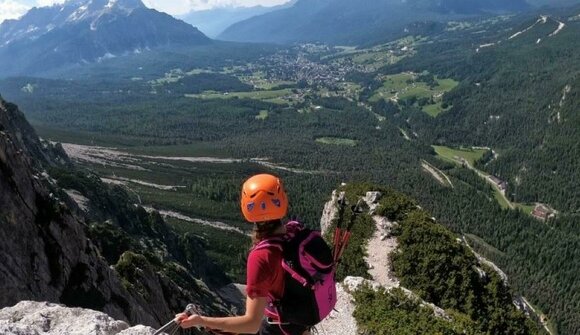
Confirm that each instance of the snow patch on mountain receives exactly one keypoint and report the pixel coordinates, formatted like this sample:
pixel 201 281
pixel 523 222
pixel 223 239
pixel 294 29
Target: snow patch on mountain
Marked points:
pixel 60 15
pixel 79 14
pixel 111 4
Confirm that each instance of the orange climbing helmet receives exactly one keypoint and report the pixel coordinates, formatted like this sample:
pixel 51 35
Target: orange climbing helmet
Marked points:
pixel 263 198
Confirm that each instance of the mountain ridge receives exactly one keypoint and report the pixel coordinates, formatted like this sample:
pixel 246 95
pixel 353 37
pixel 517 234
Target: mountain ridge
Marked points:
pixel 341 21
pixel 213 22
pixel 86 31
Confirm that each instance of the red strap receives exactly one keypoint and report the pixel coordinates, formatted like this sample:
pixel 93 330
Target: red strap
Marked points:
pixel 343 244
pixel 337 242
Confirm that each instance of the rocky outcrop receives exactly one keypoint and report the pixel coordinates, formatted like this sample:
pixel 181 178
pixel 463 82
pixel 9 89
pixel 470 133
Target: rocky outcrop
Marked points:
pixel 351 284
pixel 329 212
pixel 372 201
pixel 341 320
pixel 13 122
pixel 33 318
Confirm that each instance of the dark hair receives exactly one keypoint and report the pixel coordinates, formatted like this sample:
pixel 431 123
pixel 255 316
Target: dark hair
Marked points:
pixel 264 230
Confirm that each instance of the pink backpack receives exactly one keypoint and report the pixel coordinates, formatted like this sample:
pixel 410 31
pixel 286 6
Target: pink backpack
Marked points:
pixel 310 287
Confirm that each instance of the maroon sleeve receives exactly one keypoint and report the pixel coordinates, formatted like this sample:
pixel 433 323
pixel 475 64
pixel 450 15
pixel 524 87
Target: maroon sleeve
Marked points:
pixel 260 272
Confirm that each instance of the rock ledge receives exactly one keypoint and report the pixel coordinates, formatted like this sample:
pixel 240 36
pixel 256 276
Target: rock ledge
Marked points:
pixel 43 318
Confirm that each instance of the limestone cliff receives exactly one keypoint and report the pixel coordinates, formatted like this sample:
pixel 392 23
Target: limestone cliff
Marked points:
pixel 49 251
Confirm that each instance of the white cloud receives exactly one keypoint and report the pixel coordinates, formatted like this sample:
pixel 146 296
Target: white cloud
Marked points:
pixel 180 7
pixel 10 9
pixel 173 7
pixel 44 3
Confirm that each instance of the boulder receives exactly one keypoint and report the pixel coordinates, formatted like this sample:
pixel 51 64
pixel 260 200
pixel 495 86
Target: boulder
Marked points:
pixel 35 318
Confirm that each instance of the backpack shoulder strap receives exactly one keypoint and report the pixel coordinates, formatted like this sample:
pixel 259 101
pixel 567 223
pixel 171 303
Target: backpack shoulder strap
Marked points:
pixel 274 242
pixel 294 227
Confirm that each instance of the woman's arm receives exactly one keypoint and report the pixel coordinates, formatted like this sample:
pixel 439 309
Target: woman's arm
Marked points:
pixel 246 324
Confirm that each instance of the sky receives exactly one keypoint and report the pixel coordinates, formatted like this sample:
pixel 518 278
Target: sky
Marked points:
pixel 12 9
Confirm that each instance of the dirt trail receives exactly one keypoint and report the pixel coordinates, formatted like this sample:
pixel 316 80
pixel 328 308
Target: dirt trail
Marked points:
pixel 543 319
pixel 123 181
pixel 441 177
pixel 213 224
pixel 122 159
pixel 561 26
pixel 487 262
pixel 379 249
pixel 405 135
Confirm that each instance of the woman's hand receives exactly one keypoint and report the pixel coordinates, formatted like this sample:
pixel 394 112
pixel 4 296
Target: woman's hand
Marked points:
pixel 188 321
pixel 248 323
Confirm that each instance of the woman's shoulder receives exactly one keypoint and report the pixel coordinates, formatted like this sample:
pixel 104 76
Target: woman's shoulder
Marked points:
pixel 266 250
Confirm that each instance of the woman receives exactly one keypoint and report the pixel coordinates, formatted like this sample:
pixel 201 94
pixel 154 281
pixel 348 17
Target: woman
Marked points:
pixel 263 203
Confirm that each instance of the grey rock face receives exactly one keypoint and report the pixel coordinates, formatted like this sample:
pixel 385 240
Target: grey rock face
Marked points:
pixel 372 201
pixel 45 254
pixel 329 213
pixel 33 318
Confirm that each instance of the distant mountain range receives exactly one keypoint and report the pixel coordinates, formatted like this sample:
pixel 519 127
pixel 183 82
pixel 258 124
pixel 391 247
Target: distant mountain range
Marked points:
pixel 213 22
pixel 90 31
pixel 553 3
pixel 354 22
pixel 85 31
